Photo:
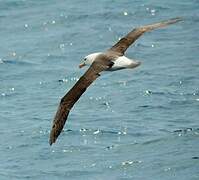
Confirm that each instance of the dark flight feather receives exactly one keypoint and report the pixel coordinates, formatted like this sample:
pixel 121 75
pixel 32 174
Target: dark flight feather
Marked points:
pixel 121 46
pixel 68 101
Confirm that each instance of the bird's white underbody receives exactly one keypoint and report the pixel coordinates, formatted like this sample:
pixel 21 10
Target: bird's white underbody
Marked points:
pixel 122 62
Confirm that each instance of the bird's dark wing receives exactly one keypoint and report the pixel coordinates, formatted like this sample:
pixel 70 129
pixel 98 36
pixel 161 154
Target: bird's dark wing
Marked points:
pixel 73 95
pixel 121 46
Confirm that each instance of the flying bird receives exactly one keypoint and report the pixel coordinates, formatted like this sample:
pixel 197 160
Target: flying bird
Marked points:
pixel 111 60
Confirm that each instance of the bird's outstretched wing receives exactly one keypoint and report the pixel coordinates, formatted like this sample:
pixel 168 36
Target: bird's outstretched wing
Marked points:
pixel 73 95
pixel 121 46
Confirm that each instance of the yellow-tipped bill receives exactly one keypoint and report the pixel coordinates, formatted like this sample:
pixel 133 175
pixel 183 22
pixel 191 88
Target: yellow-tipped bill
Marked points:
pixel 82 65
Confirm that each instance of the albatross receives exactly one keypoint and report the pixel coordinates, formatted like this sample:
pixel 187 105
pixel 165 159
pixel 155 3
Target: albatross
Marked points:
pixel 111 60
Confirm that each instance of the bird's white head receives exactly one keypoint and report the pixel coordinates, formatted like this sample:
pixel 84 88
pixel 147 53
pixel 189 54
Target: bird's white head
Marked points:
pixel 88 60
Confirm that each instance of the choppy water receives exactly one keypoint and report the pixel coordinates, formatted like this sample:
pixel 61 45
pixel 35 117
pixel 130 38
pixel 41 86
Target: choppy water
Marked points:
pixel 141 124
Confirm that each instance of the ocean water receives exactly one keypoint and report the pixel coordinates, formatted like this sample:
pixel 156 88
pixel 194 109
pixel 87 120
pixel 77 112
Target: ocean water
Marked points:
pixel 131 124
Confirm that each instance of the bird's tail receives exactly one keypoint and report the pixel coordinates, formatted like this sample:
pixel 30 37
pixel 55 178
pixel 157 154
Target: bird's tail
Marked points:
pixel 134 64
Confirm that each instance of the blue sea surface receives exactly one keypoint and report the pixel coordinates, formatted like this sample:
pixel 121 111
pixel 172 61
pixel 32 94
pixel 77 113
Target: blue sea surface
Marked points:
pixel 140 124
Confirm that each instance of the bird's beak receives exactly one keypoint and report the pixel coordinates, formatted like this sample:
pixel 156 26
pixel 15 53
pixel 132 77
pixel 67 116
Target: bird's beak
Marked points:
pixel 82 65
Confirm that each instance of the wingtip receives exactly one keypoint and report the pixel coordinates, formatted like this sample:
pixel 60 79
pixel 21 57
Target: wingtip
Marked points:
pixel 173 20
pixel 168 22
pixel 52 138
pixel 177 19
pixel 50 142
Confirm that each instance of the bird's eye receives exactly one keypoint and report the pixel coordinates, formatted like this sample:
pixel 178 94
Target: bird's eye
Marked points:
pixel 84 59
